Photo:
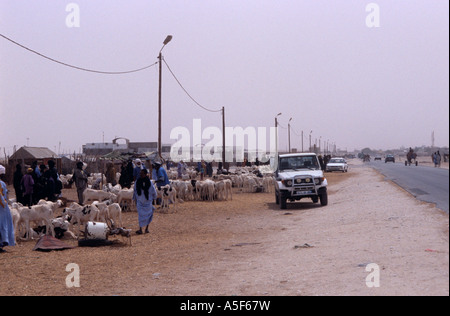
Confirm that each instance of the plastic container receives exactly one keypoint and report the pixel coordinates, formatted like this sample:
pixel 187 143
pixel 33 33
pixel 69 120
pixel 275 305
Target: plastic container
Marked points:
pixel 96 230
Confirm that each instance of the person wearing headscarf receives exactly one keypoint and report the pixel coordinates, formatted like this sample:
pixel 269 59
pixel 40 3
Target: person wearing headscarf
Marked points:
pixel 17 183
pixel 137 169
pixel 51 178
pixel 159 175
pixel 144 194
pixel 6 223
pixel 28 186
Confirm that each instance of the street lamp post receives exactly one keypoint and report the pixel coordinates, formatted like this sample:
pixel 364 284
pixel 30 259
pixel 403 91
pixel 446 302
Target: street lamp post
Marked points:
pixel 320 145
pixel 302 140
pixel 276 132
pixel 289 134
pixel 310 140
pixel 166 41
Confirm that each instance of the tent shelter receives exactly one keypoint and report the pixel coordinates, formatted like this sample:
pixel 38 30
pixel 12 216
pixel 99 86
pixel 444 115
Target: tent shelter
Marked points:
pixel 26 155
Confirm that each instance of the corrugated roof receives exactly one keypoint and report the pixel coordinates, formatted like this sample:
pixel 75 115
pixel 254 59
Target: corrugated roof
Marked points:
pixel 33 153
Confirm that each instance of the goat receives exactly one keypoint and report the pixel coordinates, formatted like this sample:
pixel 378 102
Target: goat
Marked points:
pixel 97 195
pixel 37 213
pixel 81 214
pixel 125 195
pixel 115 213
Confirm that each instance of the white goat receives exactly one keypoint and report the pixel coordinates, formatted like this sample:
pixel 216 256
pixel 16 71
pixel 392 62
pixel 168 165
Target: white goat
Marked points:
pixel 97 195
pixel 115 213
pixel 125 195
pixel 81 214
pixel 37 213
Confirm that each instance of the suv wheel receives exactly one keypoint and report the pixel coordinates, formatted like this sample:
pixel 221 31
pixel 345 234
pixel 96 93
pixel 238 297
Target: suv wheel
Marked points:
pixel 324 199
pixel 283 201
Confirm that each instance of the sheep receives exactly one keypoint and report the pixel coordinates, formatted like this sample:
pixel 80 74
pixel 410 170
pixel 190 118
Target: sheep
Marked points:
pixel 125 195
pixel 228 188
pixel 14 210
pixel 81 214
pixel 97 195
pixel 115 212
pixel 268 184
pixel 37 213
pixel 61 226
pixel 163 194
pixel 103 209
pixel 209 190
pixel 181 188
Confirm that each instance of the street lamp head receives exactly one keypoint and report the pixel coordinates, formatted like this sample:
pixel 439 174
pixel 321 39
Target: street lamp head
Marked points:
pixel 290 119
pixel 278 114
pixel 167 40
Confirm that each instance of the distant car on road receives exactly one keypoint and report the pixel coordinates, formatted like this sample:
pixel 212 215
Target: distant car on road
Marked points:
pixel 337 164
pixel 378 157
pixel 389 158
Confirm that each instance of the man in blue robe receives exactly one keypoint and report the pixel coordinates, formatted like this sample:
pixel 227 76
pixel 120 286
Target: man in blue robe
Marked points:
pixel 144 194
pixel 6 223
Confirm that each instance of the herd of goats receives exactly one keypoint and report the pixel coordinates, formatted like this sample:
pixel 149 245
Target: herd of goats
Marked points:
pixel 107 203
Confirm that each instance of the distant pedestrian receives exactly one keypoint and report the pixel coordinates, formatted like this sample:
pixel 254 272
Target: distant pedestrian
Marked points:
pixel 181 169
pixel 438 159
pixel 7 237
pixel 209 169
pixel 28 186
pixel 144 194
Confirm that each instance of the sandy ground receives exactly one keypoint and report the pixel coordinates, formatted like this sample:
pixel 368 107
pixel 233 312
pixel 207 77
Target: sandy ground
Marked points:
pixel 248 246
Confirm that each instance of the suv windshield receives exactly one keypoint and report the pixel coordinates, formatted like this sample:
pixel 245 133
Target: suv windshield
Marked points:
pixel 299 162
pixel 332 160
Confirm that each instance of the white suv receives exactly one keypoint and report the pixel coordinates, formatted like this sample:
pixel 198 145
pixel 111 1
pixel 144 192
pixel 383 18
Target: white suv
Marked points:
pixel 299 176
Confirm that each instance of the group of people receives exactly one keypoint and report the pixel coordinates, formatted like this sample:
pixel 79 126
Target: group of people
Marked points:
pixel 144 192
pixel 436 156
pixel 42 183
pixel 38 182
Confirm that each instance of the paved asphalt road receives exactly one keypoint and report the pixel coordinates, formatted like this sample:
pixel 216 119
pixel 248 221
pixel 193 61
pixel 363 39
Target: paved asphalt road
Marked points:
pixel 426 183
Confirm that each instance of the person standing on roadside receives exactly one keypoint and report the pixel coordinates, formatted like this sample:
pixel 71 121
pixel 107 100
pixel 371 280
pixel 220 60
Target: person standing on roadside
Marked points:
pixel 7 237
pixel 438 159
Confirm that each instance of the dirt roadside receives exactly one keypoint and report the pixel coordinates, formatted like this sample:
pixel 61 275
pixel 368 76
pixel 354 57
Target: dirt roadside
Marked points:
pixel 248 246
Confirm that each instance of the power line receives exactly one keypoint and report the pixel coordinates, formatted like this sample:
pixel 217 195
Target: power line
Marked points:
pixel 76 67
pixel 204 108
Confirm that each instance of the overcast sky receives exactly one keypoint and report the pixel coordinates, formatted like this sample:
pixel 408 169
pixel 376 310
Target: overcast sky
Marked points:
pixel 326 64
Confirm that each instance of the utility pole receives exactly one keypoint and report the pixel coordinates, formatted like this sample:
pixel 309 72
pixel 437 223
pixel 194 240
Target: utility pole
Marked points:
pixel 166 41
pixel 302 140
pixel 289 134
pixel 276 133
pixel 223 138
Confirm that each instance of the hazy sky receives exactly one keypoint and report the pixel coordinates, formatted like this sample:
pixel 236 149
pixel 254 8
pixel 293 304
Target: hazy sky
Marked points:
pixel 317 61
